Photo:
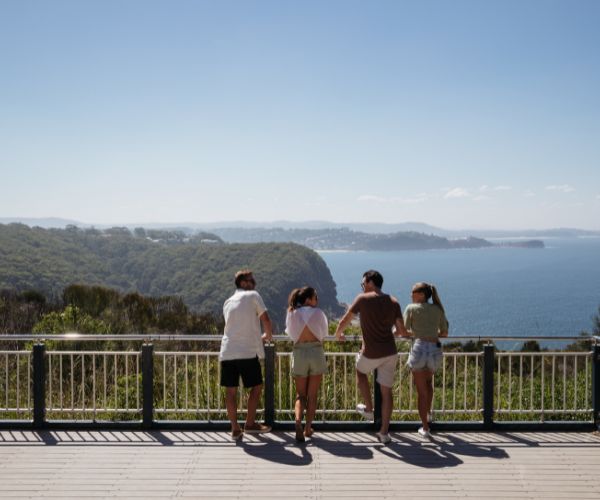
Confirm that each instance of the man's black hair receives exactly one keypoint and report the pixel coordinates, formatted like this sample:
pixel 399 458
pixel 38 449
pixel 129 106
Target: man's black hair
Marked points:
pixel 375 277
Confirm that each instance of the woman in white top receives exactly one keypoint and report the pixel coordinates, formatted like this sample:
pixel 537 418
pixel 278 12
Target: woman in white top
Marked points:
pixel 306 324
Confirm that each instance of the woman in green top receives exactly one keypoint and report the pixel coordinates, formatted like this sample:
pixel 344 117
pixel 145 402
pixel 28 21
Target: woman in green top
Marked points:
pixel 426 322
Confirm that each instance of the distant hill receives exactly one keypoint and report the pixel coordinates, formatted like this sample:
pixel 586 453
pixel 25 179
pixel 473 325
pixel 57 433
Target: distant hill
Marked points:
pixel 564 232
pixel 199 269
pixel 346 239
pixel 46 222
pixel 365 227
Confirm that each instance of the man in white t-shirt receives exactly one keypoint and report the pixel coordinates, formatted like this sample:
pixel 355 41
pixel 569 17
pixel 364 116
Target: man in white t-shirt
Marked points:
pixel 241 349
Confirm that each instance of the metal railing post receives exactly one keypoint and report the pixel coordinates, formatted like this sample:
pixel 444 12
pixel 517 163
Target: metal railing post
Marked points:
pixel 147 385
pixel 488 386
pixel 270 384
pixel 39 386
pixel 376 401
pixel 596 384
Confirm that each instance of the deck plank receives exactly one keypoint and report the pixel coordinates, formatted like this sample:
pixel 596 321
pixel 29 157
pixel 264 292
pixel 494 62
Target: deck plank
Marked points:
pixel 98 464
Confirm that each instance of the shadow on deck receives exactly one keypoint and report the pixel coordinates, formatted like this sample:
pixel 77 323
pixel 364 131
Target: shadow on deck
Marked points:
pixel 209 464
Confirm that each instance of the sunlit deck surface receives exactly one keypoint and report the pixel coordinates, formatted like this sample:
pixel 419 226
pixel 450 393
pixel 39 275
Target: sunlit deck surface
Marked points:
pixel 207 464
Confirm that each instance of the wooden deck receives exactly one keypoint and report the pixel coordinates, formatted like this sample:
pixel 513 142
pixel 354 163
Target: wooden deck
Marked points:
pixel 207 464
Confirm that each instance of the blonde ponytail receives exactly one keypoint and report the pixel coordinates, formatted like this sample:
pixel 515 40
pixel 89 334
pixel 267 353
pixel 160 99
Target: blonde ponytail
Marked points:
pixel 436 298
pixel 430 292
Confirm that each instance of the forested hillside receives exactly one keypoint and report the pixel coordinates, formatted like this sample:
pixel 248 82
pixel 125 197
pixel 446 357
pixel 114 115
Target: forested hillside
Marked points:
pixel 200 270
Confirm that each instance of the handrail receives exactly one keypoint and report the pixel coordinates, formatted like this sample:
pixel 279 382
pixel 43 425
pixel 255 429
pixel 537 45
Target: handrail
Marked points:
pixel 49 384
pixel 160 337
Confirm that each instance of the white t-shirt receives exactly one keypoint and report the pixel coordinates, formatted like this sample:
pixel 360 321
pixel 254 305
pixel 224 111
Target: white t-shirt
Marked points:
pixel 312 317
pixel 242 335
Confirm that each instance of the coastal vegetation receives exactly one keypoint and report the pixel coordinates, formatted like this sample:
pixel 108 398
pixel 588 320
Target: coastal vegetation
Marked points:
pixel 197 269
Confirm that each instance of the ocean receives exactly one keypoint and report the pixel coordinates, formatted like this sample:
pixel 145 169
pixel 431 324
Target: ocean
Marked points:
pixel 554 291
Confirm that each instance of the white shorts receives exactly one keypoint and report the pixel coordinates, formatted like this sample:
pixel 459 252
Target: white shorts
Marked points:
pixel 386 368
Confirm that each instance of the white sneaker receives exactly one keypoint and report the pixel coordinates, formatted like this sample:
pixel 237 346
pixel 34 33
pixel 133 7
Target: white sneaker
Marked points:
pixel 362 411
pixel 383 438
pixel 422 432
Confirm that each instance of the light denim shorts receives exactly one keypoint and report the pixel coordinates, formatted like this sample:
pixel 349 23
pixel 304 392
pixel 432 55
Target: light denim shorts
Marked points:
pixel 425 356
pixel 308 358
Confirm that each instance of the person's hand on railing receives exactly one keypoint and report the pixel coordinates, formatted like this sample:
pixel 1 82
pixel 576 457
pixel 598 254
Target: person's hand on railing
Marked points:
pixel 400 330
pixel 339 335
pixel 265 320
pixel 443 334
pixel 342 325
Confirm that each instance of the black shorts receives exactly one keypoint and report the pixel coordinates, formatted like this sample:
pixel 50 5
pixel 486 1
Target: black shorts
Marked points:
pixel 249 369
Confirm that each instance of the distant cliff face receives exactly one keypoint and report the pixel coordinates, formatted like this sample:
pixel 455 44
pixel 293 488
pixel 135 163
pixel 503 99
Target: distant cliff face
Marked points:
pixel 199 270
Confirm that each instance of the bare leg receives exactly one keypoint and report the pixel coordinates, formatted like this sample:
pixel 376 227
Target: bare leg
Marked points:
pixel 314 382
pixel 301 388
pixel 253 399
pixel 423 382
pixel 362 381
pixel 231 404
pixel 386 408
pixel 430 394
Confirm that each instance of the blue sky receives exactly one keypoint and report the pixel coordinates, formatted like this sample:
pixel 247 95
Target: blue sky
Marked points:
pixel 462 114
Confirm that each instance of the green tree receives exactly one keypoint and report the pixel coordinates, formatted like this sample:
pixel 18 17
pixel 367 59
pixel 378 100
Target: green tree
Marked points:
pixel 71 319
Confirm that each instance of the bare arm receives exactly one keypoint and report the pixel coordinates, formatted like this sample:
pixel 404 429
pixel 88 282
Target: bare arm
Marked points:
pixel 343 324
pixel 267 327
pixel 443 327
pixel 401 330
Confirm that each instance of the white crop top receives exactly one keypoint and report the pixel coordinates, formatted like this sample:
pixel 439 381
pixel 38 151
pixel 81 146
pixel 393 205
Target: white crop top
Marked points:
pixel 312 317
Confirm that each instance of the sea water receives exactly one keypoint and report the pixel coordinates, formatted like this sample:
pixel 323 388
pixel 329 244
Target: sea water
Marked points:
pixel 499 291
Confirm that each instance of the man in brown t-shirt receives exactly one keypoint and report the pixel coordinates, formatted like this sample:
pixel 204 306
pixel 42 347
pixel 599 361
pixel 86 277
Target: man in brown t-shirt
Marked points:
pixel 379 313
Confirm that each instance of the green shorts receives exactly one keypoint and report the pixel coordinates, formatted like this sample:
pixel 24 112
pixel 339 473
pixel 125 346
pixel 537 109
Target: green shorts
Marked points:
pixel 308 358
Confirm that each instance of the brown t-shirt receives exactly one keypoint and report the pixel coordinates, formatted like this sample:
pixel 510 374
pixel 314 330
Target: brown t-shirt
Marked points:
pixel 378 314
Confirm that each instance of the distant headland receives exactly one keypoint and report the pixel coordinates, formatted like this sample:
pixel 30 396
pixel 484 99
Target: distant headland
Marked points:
pixel 317 235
